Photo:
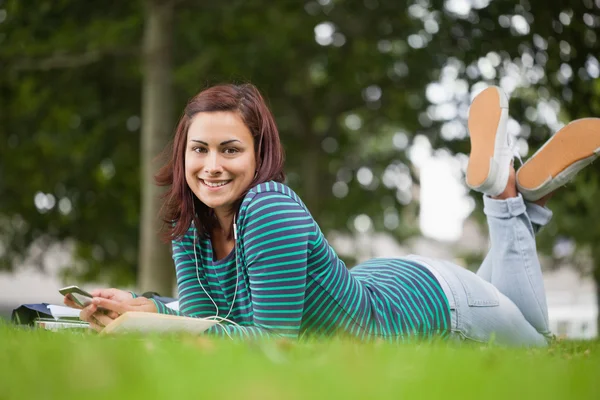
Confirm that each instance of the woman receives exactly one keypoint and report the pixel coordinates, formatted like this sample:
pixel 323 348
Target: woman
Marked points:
pixel 248 252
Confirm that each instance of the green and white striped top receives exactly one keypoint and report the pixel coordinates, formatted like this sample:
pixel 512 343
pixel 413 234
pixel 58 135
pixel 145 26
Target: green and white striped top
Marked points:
pixel 292 283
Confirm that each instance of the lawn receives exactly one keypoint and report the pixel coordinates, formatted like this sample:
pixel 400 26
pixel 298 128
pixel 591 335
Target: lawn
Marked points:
pixel 68 365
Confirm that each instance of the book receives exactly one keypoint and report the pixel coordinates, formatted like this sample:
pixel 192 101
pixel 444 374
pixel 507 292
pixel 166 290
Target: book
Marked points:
pixel 142 322
pixel 51 324
pixel 55 317
pixel 59 312
pixel 46 316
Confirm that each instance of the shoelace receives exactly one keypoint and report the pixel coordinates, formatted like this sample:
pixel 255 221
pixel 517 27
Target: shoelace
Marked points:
pixel 512 145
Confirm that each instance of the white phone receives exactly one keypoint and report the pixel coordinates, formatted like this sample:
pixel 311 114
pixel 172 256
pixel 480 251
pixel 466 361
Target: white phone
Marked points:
pixel 79 296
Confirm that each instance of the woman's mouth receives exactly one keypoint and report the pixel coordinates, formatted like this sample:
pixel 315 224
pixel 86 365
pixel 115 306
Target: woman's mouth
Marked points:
pixel 214 184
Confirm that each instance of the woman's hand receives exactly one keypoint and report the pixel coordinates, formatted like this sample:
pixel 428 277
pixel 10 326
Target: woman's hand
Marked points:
pixel 111 310
pixel 140 304
pixel 110 294
pixel 97 319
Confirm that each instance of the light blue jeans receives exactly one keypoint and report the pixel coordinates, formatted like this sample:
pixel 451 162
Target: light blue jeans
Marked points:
pixel 504 302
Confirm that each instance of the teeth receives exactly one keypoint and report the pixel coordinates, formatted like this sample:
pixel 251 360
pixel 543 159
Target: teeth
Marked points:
pixel 215 184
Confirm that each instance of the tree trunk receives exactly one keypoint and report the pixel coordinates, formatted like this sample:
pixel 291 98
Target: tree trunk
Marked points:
pixel 596 275
pixel 311 158
pixel 597 307
pixel 155 266
pixel 310 175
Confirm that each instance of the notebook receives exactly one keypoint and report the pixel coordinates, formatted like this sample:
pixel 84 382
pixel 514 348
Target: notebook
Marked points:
pixel 134 321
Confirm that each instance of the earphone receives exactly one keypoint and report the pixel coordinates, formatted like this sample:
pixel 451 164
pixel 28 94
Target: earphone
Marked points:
pixel 237 279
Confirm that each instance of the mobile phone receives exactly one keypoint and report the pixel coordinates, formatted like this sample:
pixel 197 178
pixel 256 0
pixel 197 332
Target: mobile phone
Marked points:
pixel 79 296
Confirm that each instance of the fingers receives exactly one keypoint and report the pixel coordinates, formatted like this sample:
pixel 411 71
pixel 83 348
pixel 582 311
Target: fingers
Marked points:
pixel 111 305
pixel 87 313
pixel 104 293
pixel 112 294
pixel 68 301
pixel 97 319
pixel 96 327
pixel 102 319
pixel 103 311
pixel 141 304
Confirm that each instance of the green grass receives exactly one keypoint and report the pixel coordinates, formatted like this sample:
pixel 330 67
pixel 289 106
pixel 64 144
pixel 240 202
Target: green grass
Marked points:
pixel 65 365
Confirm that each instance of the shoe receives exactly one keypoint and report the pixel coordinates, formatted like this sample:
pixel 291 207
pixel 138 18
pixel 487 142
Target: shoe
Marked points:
pixel 491 153
pixel 566 153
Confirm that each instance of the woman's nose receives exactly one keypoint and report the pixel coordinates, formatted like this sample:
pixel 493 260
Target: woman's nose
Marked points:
pixel 213 165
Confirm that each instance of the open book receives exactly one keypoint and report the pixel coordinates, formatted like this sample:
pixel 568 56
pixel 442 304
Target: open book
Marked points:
pixel 134 321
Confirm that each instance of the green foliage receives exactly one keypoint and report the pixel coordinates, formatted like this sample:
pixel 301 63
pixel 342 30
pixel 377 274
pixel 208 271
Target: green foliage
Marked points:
pixel 70 106
pixel 67 98
pixel 69 112
pixel 561 37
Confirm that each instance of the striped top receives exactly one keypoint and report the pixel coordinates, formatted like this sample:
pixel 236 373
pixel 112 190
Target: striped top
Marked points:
pixel 290 282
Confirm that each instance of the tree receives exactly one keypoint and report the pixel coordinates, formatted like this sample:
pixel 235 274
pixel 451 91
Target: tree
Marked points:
pixel 69 167
pixel 325 110
pixel 545 55
pixel 351 83
pixel 155 265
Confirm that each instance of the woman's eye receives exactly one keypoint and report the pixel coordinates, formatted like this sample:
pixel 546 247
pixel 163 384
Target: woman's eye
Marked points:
pixel 231 150
pixel 199 150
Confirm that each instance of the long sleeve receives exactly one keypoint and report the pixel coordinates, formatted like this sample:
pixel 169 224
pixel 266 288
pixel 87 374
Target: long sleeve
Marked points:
pixel 275 235
pixel 283 279
pixel 192 299
pixel 163 309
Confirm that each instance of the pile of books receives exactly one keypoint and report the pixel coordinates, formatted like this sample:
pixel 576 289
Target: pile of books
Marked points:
pixel 54 318
pixel 48 316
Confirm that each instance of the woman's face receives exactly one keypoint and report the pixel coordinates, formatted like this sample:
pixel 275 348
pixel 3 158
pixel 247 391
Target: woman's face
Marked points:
pixel 220 161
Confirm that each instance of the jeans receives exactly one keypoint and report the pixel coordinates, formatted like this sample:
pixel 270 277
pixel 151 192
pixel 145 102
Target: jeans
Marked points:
pixel 504 302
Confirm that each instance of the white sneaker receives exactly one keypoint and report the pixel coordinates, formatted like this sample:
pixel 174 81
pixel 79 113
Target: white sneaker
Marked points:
pixel 491 152
pixel 566 153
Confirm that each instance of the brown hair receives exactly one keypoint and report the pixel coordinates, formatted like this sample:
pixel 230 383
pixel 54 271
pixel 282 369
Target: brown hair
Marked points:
pixel 181 206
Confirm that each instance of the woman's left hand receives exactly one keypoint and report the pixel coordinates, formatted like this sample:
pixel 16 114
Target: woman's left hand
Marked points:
pixel 140 304
pixel 103 311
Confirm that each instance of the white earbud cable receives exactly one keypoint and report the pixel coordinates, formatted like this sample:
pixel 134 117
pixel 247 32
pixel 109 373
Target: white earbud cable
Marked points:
pixel 237 278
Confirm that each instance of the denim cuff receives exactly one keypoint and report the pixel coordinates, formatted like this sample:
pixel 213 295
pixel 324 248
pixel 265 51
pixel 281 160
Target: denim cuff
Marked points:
pixel 506 208
pixel 538 215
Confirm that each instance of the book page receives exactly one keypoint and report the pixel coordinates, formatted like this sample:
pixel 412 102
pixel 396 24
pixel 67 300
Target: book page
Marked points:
pixel 151 322
pixel 63 311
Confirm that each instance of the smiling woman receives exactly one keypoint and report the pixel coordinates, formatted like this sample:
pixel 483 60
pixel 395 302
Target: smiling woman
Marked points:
pixel 248 253
pixel 228 136
pixel 220 160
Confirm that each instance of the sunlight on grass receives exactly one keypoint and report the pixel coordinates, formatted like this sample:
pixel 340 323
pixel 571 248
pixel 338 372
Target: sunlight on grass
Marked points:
pixel 42 364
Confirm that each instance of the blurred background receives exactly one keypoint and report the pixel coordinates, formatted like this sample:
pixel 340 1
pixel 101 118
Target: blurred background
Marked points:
pixel 371 99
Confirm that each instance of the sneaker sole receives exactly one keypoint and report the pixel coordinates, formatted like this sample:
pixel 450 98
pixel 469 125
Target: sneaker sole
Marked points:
pixel 570 150
pixel 488 115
